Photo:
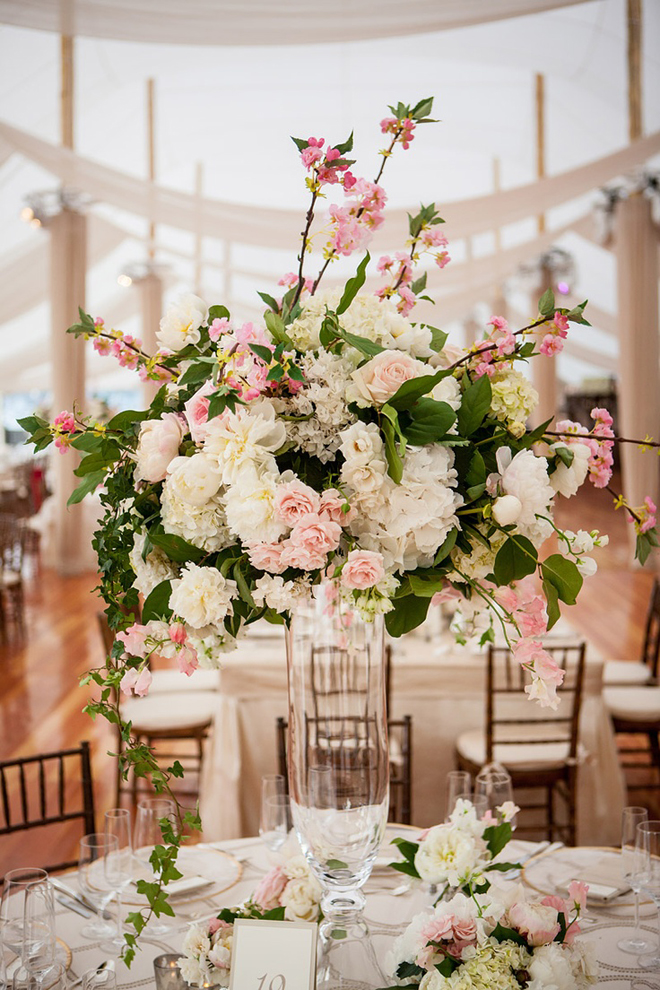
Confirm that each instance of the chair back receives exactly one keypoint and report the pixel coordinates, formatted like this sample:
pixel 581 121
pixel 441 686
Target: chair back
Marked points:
pixel 512 719
pixel 336 677
pixel 47 790
pixel 651 647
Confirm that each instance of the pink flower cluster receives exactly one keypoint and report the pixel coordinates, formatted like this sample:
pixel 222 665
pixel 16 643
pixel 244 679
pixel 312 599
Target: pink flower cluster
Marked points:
pixel 290 280
pixel 646 516
pixel 390 125
pixel 547 675
pixel 63 428
pixel 326 173
pixel 526 608
pixel 124 347
pixel 354 223
pixel 152 371
pixel 499 343
pixel 316 523
pixel 153 639
pixel 600 443
pixel 539 922
pixel 449 935
pixel 556 333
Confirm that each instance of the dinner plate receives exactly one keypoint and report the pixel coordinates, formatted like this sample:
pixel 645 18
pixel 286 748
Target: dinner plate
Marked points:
pixel 220 871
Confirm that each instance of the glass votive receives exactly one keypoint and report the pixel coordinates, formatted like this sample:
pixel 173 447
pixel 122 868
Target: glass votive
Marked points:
pixel 168 974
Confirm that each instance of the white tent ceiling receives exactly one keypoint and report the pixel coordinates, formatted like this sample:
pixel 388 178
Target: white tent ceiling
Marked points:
pixel 231 108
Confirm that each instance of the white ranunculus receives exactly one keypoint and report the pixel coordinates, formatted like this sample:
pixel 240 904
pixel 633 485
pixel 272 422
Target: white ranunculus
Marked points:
pixel 181 323
pixel 361 442
pixel 202 596
pixel 194 479
pixel 364 478
pixel 247 438
pixel 506 510
pixel 448 855
pixel 566 480
pixel 300 899
pixel 158 444
pixel 526 477
pixel 251 511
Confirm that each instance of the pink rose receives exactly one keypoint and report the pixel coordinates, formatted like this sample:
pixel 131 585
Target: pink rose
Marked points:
pixel 197 411
pixel 215 924
pixel 268 893
pixel 316 535
pixel 465 930
pixel 158 445
pixel 537 922
pixel 294 500
pixel 134 640
pixel 301 557
pixel 363 569
pixel 382 376
pixel 333 504
pixel 438 928
pixel 267 557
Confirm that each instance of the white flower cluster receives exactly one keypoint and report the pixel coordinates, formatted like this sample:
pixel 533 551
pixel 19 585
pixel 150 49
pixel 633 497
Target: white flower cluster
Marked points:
pixel 280 595
pixel 454 853
pixel 513 397
pixel 323 400
pixel 207 955
pixel 151 571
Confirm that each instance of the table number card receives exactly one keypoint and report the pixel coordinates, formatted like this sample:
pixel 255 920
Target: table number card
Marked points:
pixel 273 955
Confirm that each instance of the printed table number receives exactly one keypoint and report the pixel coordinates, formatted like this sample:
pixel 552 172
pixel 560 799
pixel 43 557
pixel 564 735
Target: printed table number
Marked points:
pixel 273 955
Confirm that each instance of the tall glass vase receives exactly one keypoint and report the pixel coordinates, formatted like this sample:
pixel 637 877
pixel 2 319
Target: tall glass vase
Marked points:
pixel 339 773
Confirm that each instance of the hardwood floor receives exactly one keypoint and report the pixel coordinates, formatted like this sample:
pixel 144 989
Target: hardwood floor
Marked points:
pixel 41 702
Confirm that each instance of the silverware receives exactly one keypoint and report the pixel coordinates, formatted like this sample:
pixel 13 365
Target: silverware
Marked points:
pixel 108 964
pixel 68 902
pixel 78 897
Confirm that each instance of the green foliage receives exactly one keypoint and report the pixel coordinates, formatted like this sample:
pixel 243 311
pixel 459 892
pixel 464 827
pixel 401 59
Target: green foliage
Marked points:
pixel 354 285
pixel 474 406
pixel 428 421
pixel 157 605
pixel 547 303
pixel 408 613
pixel 564 575
pixel 516 558
pixel 644 544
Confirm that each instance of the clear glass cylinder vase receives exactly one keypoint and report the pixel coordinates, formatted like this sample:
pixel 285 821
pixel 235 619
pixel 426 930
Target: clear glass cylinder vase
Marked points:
pixel 338 768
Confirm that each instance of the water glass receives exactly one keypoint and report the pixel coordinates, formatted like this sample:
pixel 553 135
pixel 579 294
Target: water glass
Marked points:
pixel 148 833
pixel 459 782
pixel 494 783
pixel 647 871
pixel 275 822
pixel 118 869
pixel 27 917
pixel 92 880
pixel 101 978
pixel 52 978
pixel 631 865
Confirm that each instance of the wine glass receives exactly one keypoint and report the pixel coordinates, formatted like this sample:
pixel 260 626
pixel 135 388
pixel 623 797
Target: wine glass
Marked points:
pixel 27 917
pixel 152 813
pixel 647 862
pixel 632 865
pixel 494 783
pixel 478 802
pixel 459 783
pixel 93 882
pixel 101 978
pixel 118 867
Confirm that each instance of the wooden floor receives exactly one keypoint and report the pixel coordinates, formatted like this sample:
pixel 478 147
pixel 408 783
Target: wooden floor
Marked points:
pixel 41 702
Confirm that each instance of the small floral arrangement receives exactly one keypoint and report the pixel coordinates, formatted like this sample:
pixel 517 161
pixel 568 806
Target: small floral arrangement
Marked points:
pixel 497 941
pixel 289 892
pixel 460 852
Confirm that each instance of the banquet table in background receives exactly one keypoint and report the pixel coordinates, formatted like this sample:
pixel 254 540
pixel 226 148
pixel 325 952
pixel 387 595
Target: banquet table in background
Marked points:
pixel 441 687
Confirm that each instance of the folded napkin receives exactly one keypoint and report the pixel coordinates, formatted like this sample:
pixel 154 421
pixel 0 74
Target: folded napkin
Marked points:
pixel 187 885
pixel 603 877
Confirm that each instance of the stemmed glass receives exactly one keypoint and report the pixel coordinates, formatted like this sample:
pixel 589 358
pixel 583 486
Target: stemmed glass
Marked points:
pixel 632 865
pixel 275 821
pixel 494 783
pixel 92 880
pixel 647 861
pixel 148 834
pixel 459 784
pixel 27 919
pixel 118 867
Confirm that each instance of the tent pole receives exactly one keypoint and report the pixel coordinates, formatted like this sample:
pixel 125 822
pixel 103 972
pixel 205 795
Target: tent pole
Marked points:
pixel 545 368
pixel 634 70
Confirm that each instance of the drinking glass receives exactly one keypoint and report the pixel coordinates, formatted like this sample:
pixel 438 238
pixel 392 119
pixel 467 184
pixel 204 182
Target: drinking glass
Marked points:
pixel 275 821
pixel 647 861
pixel 494 783
pixel 148 834
pixel 118 870
pixel 93 882
pixel 459 782
pixel 52 978
pixel 631 865
pixel 478 802
pixel 99 979
pixel 27 917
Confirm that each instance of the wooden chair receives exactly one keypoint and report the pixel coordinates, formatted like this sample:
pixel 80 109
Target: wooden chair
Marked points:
pixel 40 791
pixel 327 733
pixel 343 677
pixel 626 673
pixel 177 710
pixel 538 746
pixel 12 599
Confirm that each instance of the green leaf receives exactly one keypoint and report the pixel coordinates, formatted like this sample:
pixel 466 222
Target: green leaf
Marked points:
pixel 269 301
pixel 32 423
pixel 87 442
pixel 88 485
pixel 407 394
pixel 430 420
pixel 565 455
pixel 200 371
pixel 438 338
pixel 547 303
pixel 176 548
pixel 422 109
pixel 502 934
pixel 408 869
pixel 515 559
pixel 336 864
pixel 419 284
pixel 445 548
pixel 425 584
pixel 157 603
pixel 367 347
pixel 123 420
pixel 643 546
pixel 346 145
pixel 262 352
pixel 447 966
pixel 408 613
pixel 276 373
pixel 497 836
pixel 300 143
pixel 394 462
pixel 474 406
pixel 218 313
pixel 552 601
pixel 277 330
pixel 353 285
pixel 406 847
pixel 564 575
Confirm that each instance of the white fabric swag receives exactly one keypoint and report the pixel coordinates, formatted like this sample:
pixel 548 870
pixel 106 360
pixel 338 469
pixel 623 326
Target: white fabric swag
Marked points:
pixel 261 22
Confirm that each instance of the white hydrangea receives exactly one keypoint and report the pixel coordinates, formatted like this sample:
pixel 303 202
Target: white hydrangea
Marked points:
pixel 322 399
pixel 513 395
pixel 276 593
pixel 210 642
pixel 204 526
pixel 202 596
pixel 150 572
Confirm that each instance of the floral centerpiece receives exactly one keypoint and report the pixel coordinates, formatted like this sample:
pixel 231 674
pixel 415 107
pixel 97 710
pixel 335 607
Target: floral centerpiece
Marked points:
pixel 334 439
pixel 289 892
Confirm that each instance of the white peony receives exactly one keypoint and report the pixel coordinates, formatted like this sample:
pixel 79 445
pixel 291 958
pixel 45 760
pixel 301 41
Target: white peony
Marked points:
pixel 202 596
pixel 194 479
pixel 204 526
pixel 300 899
pixel 250 508
pixel 150 572
pixel 245 439
pixel 566 480
pixel 158 444
pixel 526 477
pixel 449 855
pixel 361 442
pixel 181 323
pixel 550 969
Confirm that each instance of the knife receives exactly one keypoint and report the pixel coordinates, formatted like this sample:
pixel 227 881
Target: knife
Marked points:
pixel 72 905
pixel 79 898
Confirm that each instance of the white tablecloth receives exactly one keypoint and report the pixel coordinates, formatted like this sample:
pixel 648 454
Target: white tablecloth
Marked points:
pixel 386 915
pixel 444 692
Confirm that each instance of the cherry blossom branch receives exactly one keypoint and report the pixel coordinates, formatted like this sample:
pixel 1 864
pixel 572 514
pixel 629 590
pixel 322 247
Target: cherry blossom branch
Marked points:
pixel 491 347
pixel 595 436
pixel 301 257
pixel 124 343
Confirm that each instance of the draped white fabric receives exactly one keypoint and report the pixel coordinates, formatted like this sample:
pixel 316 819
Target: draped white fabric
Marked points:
pixel 261 22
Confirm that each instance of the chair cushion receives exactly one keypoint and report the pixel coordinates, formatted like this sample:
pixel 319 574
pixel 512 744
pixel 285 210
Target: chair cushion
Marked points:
pixel 635 704
pixel 625 672
pixel 174 680
pixel 518 756
pixel 169 711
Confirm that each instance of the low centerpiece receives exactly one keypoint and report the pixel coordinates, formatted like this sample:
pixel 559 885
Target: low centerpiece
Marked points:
pixel 336 441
